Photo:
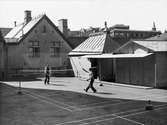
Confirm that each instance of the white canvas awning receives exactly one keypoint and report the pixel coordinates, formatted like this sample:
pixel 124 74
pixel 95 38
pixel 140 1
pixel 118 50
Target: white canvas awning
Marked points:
pixel 119 55
pixel 81 53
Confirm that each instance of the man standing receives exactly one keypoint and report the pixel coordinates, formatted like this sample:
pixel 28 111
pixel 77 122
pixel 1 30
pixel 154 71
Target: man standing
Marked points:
pixel 47 75
pixel 91 81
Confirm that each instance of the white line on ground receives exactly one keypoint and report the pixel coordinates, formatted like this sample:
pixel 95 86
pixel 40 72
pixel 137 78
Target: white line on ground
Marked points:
pixel 129 120
pixel 162 107
pixel 39 98
pixel 61 103
pixel 123 117
pixel 101 116
pixel 100 106
pixel 67 109
pixel 97 117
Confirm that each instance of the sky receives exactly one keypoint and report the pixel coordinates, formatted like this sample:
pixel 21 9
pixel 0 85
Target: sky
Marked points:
pixel 138 14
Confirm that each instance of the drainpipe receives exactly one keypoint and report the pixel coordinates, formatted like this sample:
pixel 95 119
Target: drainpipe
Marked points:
pixel 155 80
pixel 6 61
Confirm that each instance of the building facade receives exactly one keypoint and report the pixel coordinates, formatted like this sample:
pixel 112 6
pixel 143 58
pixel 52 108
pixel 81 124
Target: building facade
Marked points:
pixel 110 67
pixel 35 43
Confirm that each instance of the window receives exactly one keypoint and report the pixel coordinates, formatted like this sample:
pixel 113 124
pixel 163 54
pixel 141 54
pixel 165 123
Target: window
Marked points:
pixel 34 49
pixel 141 35
pixel 55 49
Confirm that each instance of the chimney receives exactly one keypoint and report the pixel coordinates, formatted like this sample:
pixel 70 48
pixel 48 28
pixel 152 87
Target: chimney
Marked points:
pixel 27 17
pixel 105 27
pixel 15 24
pixel 63 26
pixel 105 24
pixel 154 27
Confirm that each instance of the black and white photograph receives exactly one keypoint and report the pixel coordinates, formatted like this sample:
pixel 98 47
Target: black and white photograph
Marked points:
pixel 83 62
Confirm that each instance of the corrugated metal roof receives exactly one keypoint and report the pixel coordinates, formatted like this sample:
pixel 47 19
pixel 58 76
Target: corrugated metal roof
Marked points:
pixel 153 45
pixel 118 55
pixel 20 30
pixel 95 43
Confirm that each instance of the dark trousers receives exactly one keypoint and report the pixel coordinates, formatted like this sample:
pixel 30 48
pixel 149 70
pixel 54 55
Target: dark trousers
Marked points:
pixel 47 79
pixel 91 86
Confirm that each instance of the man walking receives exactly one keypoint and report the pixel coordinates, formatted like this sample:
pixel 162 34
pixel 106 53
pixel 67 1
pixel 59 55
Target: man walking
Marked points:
pixel 47 75
pixel 91 81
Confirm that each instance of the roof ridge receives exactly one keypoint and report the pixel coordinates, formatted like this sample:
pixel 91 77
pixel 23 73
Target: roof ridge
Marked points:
pixel 38 16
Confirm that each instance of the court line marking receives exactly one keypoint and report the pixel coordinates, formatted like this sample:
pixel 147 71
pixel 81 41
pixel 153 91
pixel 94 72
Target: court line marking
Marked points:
pixel 101 116
pixel 44 97
pixel 110 114
pixel 50 99
pixel 96 103
pixel 67 109
pixel 130 120
pixel 96 117
pixel 100 106
pixel 36 97
pixel 158 108
pixel 122 117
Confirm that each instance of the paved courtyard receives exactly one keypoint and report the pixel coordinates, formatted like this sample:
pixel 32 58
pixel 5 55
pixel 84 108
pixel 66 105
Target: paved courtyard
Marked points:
pixel 109 90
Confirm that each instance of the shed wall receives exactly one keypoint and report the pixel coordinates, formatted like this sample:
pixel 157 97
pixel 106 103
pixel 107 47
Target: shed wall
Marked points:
pixel 2 60
pixel 161 63
pixel 106 70
pixel 136 71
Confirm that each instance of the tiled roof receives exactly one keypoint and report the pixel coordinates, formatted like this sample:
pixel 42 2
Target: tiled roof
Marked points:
pixel 159 37
pixel 17 32
pixel 153 45
pixel 4 31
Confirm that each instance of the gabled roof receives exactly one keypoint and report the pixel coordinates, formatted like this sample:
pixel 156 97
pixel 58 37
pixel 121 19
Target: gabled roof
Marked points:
pixel 162 36
pixel 157 46
pixel 97 43
pixel 19 33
